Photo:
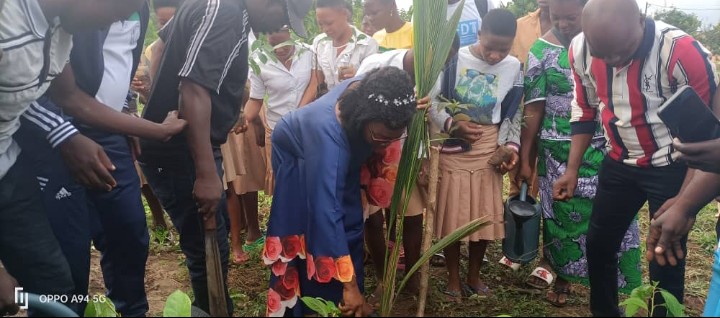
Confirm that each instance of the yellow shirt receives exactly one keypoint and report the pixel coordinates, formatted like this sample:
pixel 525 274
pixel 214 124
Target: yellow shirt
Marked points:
pixel 529 30
pixel 400 39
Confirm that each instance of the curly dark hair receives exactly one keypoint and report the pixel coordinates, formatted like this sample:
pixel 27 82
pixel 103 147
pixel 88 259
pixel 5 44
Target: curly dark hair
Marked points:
pixel 359 105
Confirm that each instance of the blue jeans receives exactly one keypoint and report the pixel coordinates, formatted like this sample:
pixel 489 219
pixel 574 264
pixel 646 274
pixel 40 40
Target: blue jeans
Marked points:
pixel 712 304
pixel 173 181
pixel 114 221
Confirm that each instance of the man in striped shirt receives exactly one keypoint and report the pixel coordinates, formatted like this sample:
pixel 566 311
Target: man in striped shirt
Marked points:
pixel 625 67
pixel 36 39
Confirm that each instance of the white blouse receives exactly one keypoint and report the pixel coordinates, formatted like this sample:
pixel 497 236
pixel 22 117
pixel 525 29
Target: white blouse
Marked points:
pixel 360 46
pixel 284 87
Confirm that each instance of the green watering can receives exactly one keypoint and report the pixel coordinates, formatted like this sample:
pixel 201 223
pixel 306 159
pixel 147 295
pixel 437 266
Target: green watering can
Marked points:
pixel 522 227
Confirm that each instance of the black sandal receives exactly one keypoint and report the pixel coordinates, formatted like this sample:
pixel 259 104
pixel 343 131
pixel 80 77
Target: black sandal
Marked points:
pixel 558 293
pixel 437 260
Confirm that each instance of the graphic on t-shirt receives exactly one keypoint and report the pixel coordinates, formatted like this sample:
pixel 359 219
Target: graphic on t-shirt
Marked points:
pixel 480 91
pixel 468 32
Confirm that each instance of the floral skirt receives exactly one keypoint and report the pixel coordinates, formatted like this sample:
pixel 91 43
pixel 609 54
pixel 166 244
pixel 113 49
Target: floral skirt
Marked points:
pixel 566 222
pixel 296 273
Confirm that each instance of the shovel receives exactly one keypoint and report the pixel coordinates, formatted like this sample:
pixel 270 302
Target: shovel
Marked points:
pixel 213 265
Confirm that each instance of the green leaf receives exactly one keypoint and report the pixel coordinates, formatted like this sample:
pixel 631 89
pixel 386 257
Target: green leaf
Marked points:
pixel 454 237
pixel 263 58
pixel 104 308
pixel 177 305
pixel 643 292
pixel 332 309
pixel 674 308
pixel 256 45
pixel 255 67
pixel 633 305
pixel 316 304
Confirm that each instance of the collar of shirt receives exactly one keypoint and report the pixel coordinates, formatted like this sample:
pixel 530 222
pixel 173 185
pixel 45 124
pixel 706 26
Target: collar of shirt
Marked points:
pixel 358 37
pixel 300 51
pixel 648 40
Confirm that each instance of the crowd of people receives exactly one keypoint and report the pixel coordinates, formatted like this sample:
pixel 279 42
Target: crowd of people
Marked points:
pixel 555 99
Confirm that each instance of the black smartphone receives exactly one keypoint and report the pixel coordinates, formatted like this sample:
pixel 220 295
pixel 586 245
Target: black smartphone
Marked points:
pixel 688 117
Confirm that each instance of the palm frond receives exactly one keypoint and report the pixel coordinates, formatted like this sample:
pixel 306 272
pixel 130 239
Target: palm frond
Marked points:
pixel 433 36
pixel 455 236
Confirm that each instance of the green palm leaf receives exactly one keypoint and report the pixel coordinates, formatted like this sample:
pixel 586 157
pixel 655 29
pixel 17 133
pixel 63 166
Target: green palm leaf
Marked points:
pixel 433 36
pixel 455 236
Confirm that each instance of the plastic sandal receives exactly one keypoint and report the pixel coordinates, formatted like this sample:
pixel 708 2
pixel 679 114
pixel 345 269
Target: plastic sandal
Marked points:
pixel 437 260
pixel 453 296
pixel 543 275
pixel 558 293
pixel 507 262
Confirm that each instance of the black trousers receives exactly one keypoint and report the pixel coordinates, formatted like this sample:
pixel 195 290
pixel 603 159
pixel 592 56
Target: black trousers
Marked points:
pixel 622 191
pixel 28 248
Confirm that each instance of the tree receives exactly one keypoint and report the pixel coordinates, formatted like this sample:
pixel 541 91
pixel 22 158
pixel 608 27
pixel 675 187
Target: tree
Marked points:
pixel 688 22
pixel 711 39
pixel 521 8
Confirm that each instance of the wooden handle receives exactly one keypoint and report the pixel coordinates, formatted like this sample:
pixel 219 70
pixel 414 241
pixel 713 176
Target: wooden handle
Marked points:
pixel 210 224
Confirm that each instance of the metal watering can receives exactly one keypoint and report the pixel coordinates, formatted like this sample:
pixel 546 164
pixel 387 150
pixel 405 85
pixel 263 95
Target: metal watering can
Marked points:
pixel 522 227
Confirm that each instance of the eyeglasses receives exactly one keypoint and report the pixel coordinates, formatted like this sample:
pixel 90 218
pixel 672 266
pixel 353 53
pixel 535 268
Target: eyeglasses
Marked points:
pixel 382 141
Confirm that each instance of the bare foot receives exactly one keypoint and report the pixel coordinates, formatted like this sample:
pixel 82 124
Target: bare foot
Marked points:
pixel 240 257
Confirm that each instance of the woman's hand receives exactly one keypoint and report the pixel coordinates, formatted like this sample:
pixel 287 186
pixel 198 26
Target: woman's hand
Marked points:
pixel 353 304
pixel 510 163
pixel 423 103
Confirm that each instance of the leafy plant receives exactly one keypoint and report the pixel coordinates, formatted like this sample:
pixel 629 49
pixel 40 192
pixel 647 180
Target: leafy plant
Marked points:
pixel 321 306
pixel 455 236
pixel 100 306
pixel 641 296
pixel 433 37
pixel 178 305
pixel 263 51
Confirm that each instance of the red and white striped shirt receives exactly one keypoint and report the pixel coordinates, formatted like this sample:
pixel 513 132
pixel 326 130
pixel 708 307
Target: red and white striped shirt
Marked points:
pixel 626 100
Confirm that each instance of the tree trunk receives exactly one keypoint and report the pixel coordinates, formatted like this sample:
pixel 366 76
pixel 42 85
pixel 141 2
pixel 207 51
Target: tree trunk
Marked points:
pixel 429 228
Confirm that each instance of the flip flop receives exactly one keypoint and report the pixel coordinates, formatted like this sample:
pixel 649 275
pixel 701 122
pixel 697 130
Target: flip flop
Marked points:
pixel 558 292
pixel 437 260
pixel 453 296
pixel 542 274
pixel 507 262
pixel 482 292
pixel 257 245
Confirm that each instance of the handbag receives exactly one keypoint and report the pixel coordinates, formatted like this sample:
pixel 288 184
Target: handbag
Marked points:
pixel 322 88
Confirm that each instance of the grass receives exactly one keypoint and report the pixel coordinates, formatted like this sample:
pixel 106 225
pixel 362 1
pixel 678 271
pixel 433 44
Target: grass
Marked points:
pixel 248 282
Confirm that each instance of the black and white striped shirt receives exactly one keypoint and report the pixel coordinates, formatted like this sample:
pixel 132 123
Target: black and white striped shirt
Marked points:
pixel 207 43
pixel 35 52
